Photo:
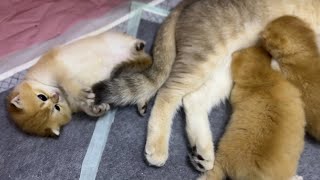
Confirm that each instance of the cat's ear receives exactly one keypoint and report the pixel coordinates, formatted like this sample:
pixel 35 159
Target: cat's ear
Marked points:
pixel 16 101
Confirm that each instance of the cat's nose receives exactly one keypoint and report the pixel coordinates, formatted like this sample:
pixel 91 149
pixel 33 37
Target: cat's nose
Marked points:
pixel 55 98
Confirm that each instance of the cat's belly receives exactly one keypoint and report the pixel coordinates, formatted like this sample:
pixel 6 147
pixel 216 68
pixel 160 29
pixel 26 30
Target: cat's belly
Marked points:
pixel 91 72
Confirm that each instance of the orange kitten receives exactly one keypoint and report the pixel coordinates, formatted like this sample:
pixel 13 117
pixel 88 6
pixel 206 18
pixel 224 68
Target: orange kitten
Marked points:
pixel 295 49
pixel 59 83
pixel 265 136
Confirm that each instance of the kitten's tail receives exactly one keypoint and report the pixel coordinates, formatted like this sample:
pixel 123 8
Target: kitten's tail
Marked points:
pixel 133 88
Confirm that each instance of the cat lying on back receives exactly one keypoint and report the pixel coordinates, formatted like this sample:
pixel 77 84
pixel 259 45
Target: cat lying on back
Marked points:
pixel 295 49
pixel 59 83
pixel 265 136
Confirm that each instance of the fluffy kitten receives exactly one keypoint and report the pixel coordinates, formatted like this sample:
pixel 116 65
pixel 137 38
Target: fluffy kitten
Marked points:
pixel 193 44
pixel 265 136
pixel 295 49
pixel 59 83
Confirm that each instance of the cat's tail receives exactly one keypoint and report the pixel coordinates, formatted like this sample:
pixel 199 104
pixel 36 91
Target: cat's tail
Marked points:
pixel 139 87
pixel 137 65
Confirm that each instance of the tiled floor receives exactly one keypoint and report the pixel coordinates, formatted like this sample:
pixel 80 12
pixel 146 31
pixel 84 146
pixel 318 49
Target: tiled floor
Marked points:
pixel 167 5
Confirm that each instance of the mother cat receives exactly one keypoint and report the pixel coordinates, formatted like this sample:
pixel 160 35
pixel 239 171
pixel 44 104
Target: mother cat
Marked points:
pixel 191 66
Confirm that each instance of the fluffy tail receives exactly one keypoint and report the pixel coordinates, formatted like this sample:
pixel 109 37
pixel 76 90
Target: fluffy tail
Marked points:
pixel 138 87
pixel 137 65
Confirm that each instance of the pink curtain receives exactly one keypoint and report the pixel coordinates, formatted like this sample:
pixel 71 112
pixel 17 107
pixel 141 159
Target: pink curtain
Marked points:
pixel 25 22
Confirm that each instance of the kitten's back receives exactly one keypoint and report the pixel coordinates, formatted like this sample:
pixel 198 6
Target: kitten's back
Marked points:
pixel 268 119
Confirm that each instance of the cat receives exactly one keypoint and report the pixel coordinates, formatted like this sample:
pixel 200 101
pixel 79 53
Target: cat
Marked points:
pixel 195 42
pixel 295 49
pixel 265 136
pixel 59 83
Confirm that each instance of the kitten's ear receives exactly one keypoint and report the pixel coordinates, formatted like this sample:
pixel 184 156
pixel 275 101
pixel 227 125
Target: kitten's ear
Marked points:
pixel 16 101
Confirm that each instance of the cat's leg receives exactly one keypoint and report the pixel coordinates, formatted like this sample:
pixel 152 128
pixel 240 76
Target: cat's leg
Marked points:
pixel 159 126
pixel 184 78
pixel 197 105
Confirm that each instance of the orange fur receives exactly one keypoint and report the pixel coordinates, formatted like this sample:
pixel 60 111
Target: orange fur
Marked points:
pixel 293 44
pixel 265 136
pixel 64 75
pixel 37 117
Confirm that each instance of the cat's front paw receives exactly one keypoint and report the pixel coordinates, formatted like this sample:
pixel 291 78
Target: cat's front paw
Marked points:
pixel 87 96
pixel 95 110
pixel 156 152
pixel 202 159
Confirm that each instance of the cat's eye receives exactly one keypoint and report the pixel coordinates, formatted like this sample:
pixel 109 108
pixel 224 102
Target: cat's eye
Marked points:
pixel 57 107
pixel 42 97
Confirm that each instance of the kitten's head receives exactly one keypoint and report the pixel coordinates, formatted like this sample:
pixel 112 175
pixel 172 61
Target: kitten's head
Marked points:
pixel 38 109
pixel 250 65
pixel 288 35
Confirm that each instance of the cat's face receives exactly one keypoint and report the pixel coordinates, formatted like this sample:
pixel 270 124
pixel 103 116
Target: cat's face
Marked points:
pixel 38 109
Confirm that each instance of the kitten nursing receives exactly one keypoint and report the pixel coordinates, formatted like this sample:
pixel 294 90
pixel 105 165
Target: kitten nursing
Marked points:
pixel 265 136
pixel 59 83
pixel 295 49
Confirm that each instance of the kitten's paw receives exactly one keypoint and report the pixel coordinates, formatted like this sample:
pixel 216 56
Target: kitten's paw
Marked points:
pixel 95 110
pixel 86 95
pixel 100 109
pixel 139 45
pixel 296 177
pixel 202 159
pixel 142 108
pixel 156 152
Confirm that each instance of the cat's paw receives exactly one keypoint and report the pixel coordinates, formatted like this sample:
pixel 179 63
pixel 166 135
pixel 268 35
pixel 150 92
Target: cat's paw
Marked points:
pixel 156 152
pixel 86 95
pixel 142 108
pixel 202 159
pixel 100 109
pixel 95 110
pixel 139 45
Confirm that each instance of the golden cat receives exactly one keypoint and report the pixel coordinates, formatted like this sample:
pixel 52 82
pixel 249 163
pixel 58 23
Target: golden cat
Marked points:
pixel 295 49
pixel 59 83
pixel 265 136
